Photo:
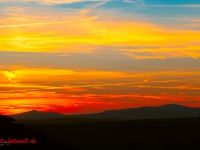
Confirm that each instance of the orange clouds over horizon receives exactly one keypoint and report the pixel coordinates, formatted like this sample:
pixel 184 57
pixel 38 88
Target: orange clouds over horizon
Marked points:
pixel 85 104
pixel 78 56
pixel 78 90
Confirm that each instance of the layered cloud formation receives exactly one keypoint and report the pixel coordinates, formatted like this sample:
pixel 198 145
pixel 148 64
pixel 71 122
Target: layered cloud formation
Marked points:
pixel 89 56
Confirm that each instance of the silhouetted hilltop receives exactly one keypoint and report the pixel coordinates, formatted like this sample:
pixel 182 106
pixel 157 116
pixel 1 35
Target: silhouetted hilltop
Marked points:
pixel 176 107
pixel 164 111
pixel 34 114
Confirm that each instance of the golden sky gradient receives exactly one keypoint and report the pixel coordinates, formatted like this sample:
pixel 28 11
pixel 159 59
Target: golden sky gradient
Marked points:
pixel 78 56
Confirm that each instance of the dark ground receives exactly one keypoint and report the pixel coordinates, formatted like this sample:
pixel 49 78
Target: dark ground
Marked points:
pixel 106 134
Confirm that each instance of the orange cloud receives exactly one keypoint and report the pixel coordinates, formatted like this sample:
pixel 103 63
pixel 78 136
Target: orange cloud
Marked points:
pixel 79 91
pixel 76 104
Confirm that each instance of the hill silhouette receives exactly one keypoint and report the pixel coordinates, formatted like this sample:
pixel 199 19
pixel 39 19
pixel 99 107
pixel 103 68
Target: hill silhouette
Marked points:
pixel 163 111
pixel 75 132
pixel 34 114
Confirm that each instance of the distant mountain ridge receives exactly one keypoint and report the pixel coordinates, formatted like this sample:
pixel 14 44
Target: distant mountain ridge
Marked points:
pixel 148 112
pixel 34 114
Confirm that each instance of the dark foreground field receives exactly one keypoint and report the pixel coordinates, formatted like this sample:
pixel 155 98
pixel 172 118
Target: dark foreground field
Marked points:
pixel 93 134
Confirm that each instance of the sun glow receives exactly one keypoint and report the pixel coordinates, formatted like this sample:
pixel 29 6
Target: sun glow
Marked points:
pixel 9 75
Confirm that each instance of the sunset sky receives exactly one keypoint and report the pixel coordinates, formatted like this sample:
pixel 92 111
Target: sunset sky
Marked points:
pixel 86 56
